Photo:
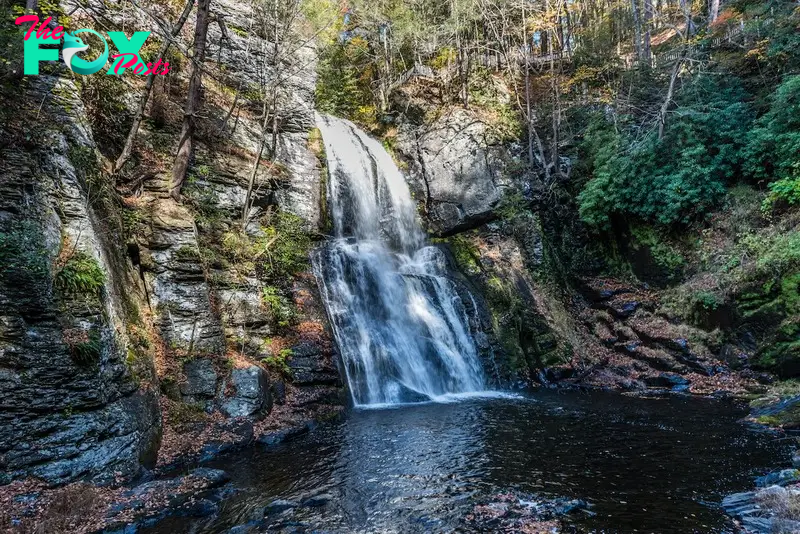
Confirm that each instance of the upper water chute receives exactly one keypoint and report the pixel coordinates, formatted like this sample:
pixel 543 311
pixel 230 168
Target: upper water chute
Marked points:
pixel 401 327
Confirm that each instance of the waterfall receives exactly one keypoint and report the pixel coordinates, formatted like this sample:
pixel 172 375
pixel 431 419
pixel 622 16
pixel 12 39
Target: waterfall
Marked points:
pixel 399 322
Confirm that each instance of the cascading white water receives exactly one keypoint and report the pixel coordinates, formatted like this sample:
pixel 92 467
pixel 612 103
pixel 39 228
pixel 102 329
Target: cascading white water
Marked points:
pixel 398 320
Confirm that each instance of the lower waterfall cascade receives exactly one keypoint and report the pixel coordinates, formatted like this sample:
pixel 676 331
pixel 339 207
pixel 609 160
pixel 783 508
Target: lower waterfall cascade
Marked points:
pixel 402 329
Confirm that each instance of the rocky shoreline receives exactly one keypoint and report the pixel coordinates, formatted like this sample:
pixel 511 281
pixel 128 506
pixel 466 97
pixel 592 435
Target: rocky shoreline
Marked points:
pixel 31 505
pixel 774 505
pixel 181 487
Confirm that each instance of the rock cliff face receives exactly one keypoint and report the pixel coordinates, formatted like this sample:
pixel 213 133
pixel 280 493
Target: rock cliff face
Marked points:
pixel 534 274
pixel 457 170
pixel 73 406
pixel 110 296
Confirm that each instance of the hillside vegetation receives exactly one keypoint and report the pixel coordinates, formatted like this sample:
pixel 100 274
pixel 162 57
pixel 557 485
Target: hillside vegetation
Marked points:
pixel 657 143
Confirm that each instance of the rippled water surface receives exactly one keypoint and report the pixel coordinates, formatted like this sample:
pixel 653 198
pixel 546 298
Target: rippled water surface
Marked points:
pixel 658 465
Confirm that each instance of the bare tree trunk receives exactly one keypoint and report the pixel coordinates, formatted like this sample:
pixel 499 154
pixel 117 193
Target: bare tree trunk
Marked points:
pixel 465 76
pixel 185 145
pixel 554 158
pixel 387 65
pixel 274 151
pixel 528 110
pixel 713 10
pixel 648 21
pixel 148 87
pixel 686 8
pixel 568 33
pixel 662 115
pixel 252 179
pixel 637 30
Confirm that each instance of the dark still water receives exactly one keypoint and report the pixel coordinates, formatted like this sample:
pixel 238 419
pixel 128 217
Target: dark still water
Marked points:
pixel 659 465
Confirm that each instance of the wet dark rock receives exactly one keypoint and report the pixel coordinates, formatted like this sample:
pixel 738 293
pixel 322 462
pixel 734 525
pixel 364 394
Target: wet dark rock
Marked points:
pixel 213 478
pixel 201 379
pixel 279 392
pixel 278 506
pixel 457 175
pixel 775 408
pixel 196 494
pixel 120 436
pixel 251 395
pixel 741 504
pixel 753 510
pixel 242 432
pixel 757 524
pixel 199 508
pixel 64 416
pixel 632 346
pixel 310 368
pixel 252 527
pixel 623 309
pixel 605 294
pixel 733 356
pixel 317 500
pixel 274 438
pixel 779 478
pixel 409 395
pixel 556 374
pixel 512 512
pixel 127 529
pixel 666 380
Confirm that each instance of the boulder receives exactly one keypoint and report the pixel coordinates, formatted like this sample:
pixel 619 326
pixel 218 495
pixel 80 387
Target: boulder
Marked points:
pixel 780 478
pixel 201 380
pixel 279 505
pixel 251 393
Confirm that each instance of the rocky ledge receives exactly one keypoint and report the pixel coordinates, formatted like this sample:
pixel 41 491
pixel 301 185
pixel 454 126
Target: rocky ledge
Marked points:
pixel 772 508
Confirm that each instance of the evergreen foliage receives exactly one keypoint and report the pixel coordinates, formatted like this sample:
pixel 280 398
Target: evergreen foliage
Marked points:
pixel 80 274
pixel 674 179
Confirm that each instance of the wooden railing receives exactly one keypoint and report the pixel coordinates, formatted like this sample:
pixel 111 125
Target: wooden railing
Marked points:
pixel 731 35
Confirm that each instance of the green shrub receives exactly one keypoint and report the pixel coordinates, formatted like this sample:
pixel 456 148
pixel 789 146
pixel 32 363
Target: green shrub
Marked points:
pixel 784 191
pixel 134 221
pixel 84 345
pixel 672 180
pixel 81 274
pixel 344 75
pixel 287 244
pixel 280 362
pixel 773 150
pixel 706 300
pixel 187 253
pixel 780 255
pixel 281 308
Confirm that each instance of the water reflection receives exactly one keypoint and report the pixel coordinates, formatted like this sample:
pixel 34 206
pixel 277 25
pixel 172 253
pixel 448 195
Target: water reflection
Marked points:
pixel 644 465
